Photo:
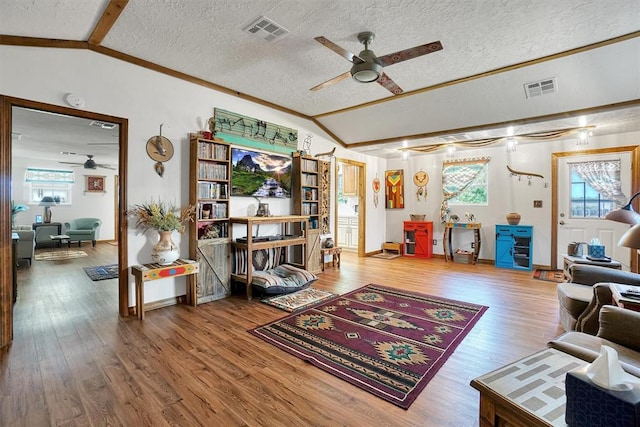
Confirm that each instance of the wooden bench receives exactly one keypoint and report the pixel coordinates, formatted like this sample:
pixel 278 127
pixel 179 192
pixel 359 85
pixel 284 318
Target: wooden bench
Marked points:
pixel 392 247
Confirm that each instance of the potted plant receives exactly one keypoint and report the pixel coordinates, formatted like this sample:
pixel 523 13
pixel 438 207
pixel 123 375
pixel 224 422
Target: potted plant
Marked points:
pixel 14 211
pixel 165 218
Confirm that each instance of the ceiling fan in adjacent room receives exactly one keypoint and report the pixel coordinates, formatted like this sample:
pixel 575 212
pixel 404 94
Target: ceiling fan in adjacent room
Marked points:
pixel 88 164
pixel 367 67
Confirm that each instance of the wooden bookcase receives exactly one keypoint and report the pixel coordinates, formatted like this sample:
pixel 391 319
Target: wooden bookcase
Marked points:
pixel 310 188
pixel 209 191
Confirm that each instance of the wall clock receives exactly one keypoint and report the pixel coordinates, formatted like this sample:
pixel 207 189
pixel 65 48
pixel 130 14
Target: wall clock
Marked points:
pixel 159 149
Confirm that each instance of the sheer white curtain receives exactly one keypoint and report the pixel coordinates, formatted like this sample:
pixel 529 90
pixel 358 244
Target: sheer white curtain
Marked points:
pixel 604 177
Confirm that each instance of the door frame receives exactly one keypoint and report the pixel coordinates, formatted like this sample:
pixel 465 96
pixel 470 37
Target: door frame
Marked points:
pixel 635 187
pixel 362 206
pixel 6 255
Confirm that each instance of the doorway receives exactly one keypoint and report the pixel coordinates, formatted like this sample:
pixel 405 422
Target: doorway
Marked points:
pixel 350 205
pixel 566 228
pixel 7 105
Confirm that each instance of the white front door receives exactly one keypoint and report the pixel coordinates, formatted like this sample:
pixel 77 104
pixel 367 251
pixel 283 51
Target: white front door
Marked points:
pixel 579 229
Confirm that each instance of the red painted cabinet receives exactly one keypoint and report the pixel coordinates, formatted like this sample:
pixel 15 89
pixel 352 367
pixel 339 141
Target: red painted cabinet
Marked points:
pixel 418 237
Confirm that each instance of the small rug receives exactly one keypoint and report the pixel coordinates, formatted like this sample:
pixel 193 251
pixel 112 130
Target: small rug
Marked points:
pixel 386 255
pixel 549 275
pixel 299 300
pixel 102 272
pixel 386 341
pixel 59 255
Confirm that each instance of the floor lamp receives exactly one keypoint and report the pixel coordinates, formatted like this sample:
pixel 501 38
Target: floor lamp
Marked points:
pixel 625 214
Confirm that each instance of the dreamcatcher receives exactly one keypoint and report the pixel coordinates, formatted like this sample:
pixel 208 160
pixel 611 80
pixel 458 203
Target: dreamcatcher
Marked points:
pixel 421 179
pixel 306 145
pixel 376 190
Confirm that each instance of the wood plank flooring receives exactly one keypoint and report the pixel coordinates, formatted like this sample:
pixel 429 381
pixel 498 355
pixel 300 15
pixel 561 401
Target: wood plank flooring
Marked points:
pixel 74 361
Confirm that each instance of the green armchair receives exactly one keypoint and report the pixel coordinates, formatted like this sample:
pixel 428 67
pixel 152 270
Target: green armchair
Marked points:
pixel 83 229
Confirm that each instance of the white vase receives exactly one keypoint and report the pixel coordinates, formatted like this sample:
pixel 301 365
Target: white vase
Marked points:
pixel 165 252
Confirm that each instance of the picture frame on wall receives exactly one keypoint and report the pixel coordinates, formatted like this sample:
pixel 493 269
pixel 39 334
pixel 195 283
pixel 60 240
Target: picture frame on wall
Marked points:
pixel 394 189
pixel 94 184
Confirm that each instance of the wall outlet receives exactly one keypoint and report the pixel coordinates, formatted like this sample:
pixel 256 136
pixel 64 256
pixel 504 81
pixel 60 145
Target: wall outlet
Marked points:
pixel 435 242
pixel 473 245
pixel 537 203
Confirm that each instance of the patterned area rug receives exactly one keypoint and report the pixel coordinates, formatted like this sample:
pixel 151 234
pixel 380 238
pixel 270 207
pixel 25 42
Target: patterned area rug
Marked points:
pixel 549 275
pixel 383 340
pixel 102 272
pixel 59 255
pixel 299 300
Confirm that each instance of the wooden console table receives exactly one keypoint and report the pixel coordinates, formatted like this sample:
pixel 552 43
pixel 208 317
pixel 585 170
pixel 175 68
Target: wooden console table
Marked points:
pixel 153 271
pixel 446 241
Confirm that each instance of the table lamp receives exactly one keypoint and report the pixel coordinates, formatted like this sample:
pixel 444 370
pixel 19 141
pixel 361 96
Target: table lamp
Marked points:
pixel 47 202
pixel 625 214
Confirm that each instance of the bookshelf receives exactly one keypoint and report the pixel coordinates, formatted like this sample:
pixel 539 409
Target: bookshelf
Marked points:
pixel 209 191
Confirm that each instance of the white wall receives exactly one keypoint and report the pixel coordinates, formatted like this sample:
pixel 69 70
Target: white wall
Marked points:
pixel 147 99
pixel 84 205
pixel 506 193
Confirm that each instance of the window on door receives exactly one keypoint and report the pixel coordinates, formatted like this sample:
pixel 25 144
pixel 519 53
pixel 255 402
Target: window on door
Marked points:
pixel 595 188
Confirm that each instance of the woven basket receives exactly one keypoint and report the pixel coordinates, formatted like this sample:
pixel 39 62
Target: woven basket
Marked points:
pixel 417 217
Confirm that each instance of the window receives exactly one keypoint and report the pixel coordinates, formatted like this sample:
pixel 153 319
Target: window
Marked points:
pixel 48 182
pixel 595 188
pixel 464 182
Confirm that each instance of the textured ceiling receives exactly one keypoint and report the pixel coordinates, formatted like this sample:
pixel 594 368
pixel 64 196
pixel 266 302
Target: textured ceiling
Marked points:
pixel 205 39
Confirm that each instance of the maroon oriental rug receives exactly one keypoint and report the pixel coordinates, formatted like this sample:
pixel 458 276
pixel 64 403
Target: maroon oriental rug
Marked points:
pixel 386 341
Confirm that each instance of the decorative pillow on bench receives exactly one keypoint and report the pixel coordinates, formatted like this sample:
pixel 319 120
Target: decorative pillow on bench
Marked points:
pixel 282 279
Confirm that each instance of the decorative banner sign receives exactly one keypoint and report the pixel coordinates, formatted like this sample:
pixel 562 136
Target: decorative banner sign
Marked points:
pixel 394 189
pixel 242 130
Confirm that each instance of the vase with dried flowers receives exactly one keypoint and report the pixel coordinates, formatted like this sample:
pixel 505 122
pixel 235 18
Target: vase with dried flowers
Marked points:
pixel 165 218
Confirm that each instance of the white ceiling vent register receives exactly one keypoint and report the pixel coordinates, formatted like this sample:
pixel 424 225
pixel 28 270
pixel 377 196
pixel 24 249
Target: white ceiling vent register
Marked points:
pixel 266 29
pixel 102 125
pixel 542 87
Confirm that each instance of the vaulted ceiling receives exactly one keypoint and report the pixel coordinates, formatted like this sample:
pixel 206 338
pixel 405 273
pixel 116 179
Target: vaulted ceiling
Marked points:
pixel 471 89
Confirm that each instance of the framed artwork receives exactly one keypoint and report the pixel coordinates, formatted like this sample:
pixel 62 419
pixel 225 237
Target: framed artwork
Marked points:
pixel 260 174
pixel 94 184
pixel 394 189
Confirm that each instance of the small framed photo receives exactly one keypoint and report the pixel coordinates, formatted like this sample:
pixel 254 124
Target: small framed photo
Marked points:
pixel 94 184
pixel 38 219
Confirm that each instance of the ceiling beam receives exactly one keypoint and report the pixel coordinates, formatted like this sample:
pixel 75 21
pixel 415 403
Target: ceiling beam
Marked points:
pixel 107 20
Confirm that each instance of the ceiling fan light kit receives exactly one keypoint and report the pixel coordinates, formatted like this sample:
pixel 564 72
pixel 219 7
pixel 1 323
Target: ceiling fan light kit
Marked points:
pixel 367 67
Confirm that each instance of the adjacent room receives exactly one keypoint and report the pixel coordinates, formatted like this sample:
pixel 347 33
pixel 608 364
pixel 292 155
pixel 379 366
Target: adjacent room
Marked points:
pixel 320 213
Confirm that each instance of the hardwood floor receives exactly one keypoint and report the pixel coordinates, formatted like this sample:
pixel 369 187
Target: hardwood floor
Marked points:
pixel 74 361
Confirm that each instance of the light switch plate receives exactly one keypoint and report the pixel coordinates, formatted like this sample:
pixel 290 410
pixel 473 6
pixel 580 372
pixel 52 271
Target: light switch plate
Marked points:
pixel 537 203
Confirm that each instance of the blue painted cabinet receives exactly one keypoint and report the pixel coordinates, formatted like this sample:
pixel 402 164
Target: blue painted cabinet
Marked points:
pixel 514 246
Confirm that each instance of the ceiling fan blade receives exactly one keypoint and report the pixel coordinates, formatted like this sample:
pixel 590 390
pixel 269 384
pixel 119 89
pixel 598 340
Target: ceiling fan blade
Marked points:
pixel 412 52
pixel 386 82
pixel 337 49
pixel 334 80
pixel 72 163
pixel 105 166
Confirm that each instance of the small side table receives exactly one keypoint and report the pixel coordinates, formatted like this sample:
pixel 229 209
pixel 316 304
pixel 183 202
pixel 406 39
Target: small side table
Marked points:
pixel 148 272
pixel 335 252
pixel 629 303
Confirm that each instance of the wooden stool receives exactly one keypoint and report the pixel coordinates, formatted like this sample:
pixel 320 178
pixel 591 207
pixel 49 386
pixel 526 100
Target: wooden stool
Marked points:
pixel 392 247
pixel 335 252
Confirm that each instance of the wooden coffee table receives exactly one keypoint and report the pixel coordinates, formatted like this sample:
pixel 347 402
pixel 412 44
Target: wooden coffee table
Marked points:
pixel 526 393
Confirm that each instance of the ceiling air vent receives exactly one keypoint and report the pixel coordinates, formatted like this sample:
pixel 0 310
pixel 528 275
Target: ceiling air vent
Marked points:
pixel 266 29
pixel 102 125
pixel 542 87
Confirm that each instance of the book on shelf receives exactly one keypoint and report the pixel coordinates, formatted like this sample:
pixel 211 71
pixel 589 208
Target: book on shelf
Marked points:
pixel 212 171
pixel 209 150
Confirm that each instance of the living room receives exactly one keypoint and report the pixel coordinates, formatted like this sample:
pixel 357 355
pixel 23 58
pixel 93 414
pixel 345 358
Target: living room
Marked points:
pixel 146 98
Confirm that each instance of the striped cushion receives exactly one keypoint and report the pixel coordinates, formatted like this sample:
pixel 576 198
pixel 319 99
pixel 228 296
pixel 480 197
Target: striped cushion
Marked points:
pixel 282 279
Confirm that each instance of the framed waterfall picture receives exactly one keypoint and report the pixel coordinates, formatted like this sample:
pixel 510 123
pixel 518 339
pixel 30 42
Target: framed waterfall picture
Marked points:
pixel 94 184
pixel 394 189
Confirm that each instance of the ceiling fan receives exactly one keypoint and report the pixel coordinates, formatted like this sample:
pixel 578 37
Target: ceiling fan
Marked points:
pixel 89 163
pixel 367 67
